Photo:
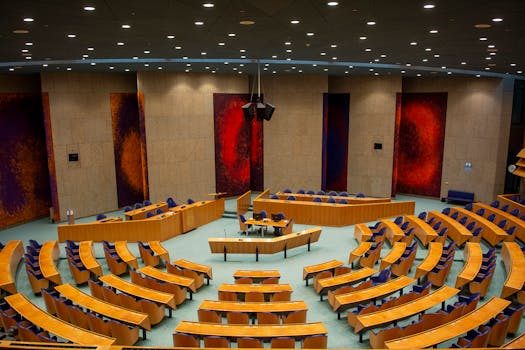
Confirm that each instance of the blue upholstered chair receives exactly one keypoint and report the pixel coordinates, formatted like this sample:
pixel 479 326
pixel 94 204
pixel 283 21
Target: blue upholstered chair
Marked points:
pixel 310 192
pixel 287 190
pixel 274 196
pixel 360 195
pixel 101 216
pixel 127 208
pixel 330 200
pixel 190 201
pixel 317 200
pixel 146 202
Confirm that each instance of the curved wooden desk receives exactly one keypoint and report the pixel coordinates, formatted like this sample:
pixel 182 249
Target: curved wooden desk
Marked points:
pixel 491 232
pixel 199 268
pixel 257 275
pixel 434 254
pixel 473 256
pixel 10 256
pixel 457 232
pixel 516 343
pixel 185 282
pixel 140 213
pixel 101 307
pixel 297 330
pixel 312 270
pixel 362 233
pixel 139 291
pixel 359 251
pixel 54 325
pixel 323 285
pixel 121 247
pixel 423 231
pixel 399 312
pixel 159 250
pixel 515 265
pixel 280 307
pixel 47 258
pixel 344 301
pixel 264 245
pixel 395 254
pixel 85 251
pixel 351 200
pixel 250 288
pixel 452 329
pixel 199 213
pixel 501 215
pixel 393 232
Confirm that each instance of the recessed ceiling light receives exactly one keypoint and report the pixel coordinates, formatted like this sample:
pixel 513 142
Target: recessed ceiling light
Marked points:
pixel 234 68
pixel 323 53
pixel 433 31
pixel 519 72
pixel 241 65
pixel 483 38
pixel 242 50
pixel 85 56
pixel 93 63
pixel 120 43
pixel 295 21
pixel 333 46
pixel 90 48
pixel 488 58
pixel 310 34
pixel 368 49
pixel 350 66
pixel 492 53
pixel 125 26
pixel 443 67
pixel 288 50
pixel 424 60
pixel 208 5
pixel 226 62
pixel 274 56
pixel 334 58
pixel 477 75
pixel 178 47
pixel 170 36
pixel 28 19
pixel 428 49
pixel 187 70
pixel 135 57
pixel 487 68
pixel 491 46
pixel 418 74
pixel 184 57
pixel 89 8
pixel 146 64
pixel 513 64
pixel 247 22
pixel 463 63
pixel 300 70
pixel 147 51
pixel 429 6
pixel 20 31
pixel 11 69
pixel 497 19
pixel 288 59
pixel 25 50
pixel 188 64
pixel 159 68
pixel 203 53
pixel 45 65
pixel 403 71
pixel 362 38
pixel 314 65
pixel 436 55
pixel 222 44
pixel 199 23
pixel 71 35
pixel 332 3
pixel 376 60
pixel 28 57
pixel 29 44
pixel 68 68
pixel 371 23
pixel 232 34
pixel 287 43
pixel 111 67
pixel 413 43
pixel 126 70
pixel 383 55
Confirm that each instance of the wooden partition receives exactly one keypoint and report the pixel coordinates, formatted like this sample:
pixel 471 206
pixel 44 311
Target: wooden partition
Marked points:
pixel 160 228
pixel 243 203
pixel 327 214
pixel 264 194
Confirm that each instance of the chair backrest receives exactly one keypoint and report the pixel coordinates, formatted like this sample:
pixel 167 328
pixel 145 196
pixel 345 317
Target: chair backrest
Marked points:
pixel 171 203
pixel 290 198
pixel 422 215
pixel 491 217
pixel 190 201
pixel 343 194
pixel 267 318
pixel 244 280
pixel 127 208
pixel 154 311
pixel 495 204
pixel 287 190
pixel 300 191
pixel 502 223
pixel 130 302
pixel 468 206
pixel 318 341
pixel 62 309
pixel 233 317
pixel 78 317
pixel 295 317
pixel 138 205
pixel 270 280
pixel 343 201
pixel 208 316
pixel 310 192
pixel 227 296
pixel 285 295
pixel 149 214
pixel 254 297
pixel 398 220
pixel 282 343
pixel 505 207
pixel 101 216
pixel 212 341
pixel 48 300
pixel 159 211
pixel 330 200
pixel 123 333
pixel 317 200
pixel 360 195
pixel 146 202
pixel 321 193
pixel 185 340
pixel 274 196
pixel 446 211
pixel 249 343
pixel 454 215
pixel 98 325
pixel 515 212
pixel 332 193
pixel 463 220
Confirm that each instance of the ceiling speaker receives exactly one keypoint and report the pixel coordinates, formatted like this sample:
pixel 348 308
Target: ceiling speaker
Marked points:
pixel 248 111
pixel 268 111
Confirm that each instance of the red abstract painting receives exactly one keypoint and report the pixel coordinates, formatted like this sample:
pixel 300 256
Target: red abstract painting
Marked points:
pixel 238 146
pixel 419 142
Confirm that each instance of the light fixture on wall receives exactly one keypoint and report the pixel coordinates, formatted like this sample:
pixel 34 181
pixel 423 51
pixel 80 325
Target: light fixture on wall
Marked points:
pixel 257 108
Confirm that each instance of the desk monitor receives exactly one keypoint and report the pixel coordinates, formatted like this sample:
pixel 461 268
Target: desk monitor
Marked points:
pixel 276 217
pixel 257 216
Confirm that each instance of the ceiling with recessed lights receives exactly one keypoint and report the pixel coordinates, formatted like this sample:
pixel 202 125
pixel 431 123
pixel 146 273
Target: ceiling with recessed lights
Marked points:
pixel 411 37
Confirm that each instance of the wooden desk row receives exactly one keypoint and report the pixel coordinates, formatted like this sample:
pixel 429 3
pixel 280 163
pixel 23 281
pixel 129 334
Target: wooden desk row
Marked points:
pixel 49 254
pixel 457 232
pixel 351 200
pixel 10 257
pixel 264 245
pixel 491 232
pixel 278 307
pixel 327 214
pixel 452 329
pixel 140 213
pixel 514 261
pixel 159 228
pixel 501 215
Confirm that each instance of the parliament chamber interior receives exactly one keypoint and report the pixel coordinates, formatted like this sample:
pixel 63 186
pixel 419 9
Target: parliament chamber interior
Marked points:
pixel 262 174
